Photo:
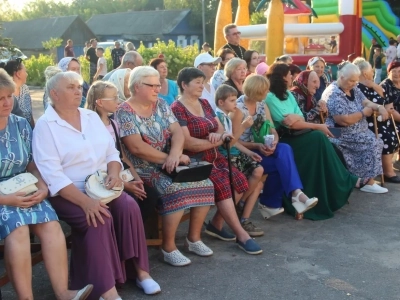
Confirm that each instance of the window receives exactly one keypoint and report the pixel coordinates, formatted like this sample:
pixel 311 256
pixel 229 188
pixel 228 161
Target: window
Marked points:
pixel 181 41
pixel 149 45
pixel 194 39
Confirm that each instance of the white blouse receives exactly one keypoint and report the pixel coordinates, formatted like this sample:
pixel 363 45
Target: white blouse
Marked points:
pixel 65 155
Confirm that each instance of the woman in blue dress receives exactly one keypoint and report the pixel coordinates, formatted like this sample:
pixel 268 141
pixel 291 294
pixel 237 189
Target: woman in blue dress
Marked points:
pixel 20 213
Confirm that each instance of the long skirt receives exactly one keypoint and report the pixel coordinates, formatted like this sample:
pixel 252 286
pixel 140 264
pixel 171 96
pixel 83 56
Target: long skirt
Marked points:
pixel 104 255
pixel 323 175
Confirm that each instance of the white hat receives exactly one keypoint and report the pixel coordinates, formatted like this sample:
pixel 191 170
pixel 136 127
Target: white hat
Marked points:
pixel 205 58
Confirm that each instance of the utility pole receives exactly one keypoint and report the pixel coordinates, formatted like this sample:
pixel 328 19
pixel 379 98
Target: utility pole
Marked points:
pixel 204 21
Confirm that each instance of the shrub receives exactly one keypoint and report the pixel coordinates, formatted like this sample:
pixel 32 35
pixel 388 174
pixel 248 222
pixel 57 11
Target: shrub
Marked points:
pixel 176 57
pixel 35 67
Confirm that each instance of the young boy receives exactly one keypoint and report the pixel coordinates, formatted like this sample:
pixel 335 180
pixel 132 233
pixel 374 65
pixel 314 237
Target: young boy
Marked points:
pixel 378 65
pixel 101 65
pixel 333 44
pixel 243 159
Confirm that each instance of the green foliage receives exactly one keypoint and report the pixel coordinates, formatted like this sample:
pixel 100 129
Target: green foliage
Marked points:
pixel 176 57
pixel 35 67
pixel 258 18
pixel 52 44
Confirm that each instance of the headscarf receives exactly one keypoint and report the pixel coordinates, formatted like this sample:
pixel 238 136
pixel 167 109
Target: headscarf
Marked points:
pixel 394 64
pixel 118 79
pixel 300 86
pixel 64 62
pixel 262 68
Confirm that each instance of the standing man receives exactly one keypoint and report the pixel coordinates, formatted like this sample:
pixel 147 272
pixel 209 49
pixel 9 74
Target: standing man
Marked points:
pixel 232 36
pixel 398 47
pixel 69 49
pixel 372 50
pixel 116 54
pixel 206 63
pixel 92 58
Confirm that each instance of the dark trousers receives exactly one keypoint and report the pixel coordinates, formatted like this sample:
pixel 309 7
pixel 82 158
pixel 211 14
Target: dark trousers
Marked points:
pixel 147 206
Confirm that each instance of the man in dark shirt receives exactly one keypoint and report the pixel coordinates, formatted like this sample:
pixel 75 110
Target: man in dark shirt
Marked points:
pixel 372 50
pixel 69 49
pixel 116 55
pixel 92 58
pixel 378 65
pixel 232 36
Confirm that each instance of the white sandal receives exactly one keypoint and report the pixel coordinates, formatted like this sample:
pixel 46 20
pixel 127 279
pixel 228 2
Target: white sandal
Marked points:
pixel 198 248
pixel 176 258
pixel 303 207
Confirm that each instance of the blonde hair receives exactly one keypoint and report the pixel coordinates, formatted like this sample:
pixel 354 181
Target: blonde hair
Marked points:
pixel 6 81
pixel 256 86
pixel 96 91
pixel 231 66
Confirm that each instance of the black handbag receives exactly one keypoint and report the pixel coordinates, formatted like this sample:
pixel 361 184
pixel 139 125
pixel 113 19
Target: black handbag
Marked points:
pixel 286 132
pixel 195 171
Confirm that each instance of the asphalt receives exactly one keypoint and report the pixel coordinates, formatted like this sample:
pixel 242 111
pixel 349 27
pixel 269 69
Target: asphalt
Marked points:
pixel 355 255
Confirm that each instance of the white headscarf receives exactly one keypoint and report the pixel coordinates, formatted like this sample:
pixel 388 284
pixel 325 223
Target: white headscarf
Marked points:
pixel 64 63
pixel 118 79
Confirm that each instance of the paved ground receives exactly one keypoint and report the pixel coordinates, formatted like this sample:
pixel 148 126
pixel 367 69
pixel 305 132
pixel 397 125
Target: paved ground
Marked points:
pixel 355 255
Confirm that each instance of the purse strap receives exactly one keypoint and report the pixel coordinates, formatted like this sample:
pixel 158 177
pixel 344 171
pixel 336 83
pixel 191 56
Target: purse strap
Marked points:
pixel 117 140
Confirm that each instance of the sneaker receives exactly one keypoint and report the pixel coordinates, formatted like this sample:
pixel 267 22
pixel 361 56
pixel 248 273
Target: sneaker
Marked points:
pixel 250 247
pixel 149 286
pixel 176 258
pixel 267 212
pixel 198 248
pixel 219 234
pixel 375 189
pixel 251 229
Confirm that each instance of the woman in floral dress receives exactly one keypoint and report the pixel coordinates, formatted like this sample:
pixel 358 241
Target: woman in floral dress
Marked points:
pixel 153 142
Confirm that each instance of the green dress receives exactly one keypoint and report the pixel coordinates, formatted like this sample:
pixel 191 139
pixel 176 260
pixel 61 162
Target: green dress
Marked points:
pixel 321 171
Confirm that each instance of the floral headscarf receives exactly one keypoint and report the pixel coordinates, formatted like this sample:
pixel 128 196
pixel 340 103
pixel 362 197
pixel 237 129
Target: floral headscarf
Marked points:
pixel 64 63
pixel 300 86
pixel 118 78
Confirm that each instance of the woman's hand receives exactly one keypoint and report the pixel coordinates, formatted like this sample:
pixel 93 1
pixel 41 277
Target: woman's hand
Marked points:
pixel 321 107
pixel 171 162
pixel 247 122
pixel 271 150
pixel 368 111
pixel 290 119
pixel 112 181
pixel 389 108
pixel 383 113
pixel 17 200
pixel 40 195
pixel 184 159
pixel 265 150
pixel 254 156
pixel 214 138
pixel 325 130
pixel 94 209
pixel 136 188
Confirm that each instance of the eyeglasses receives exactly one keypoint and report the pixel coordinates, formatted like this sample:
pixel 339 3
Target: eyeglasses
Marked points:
pixel 154 86
pixel 236 33
pixel 241 70
pixel 115 99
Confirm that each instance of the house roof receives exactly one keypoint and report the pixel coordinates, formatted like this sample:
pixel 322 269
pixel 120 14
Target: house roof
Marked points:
pixel 137 25
pixel 31 33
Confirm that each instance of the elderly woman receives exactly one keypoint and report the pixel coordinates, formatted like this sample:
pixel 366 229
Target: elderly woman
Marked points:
pixel 153 142
pixel 235 71
pixel 218 77
pixel 169 89
pixel 23 213
pixel 252 59
pixel 108 241
pixel 321 171
pixel 68 64
pixel 120 78
pixel 203 133
pixel 318 64
pixel 348 109
pixel 16 69
pixel 386 130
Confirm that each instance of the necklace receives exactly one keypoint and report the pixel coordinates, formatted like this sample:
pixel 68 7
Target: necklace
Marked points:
pixel 240 49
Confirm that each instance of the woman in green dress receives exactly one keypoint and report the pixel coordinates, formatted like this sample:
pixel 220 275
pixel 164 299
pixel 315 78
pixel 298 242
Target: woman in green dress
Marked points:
pixel 320 169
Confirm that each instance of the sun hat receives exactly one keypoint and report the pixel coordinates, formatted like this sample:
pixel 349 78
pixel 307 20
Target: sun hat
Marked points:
pixel 205 58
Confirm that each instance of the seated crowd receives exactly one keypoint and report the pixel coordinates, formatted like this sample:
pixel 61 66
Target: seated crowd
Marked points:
pixel 138 119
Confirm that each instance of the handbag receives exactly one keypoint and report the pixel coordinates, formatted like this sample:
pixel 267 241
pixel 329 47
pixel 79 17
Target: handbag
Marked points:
pixel 125 174
pixel 264 130
pixel 195 171
pixel 24 182
pixel 95 189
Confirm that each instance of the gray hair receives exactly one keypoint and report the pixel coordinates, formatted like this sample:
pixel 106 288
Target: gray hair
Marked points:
pixel 138 74
pixel 129 46
pixel 228 27
pixel 231 66
pixel 362 64
pixel 54 77
pixel 6 81
pixel 348 70
pixel 131 56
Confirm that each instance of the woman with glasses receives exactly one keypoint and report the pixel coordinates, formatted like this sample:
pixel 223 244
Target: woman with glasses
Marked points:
pixel 108 243
pixel 16 69
pixel 169 89
pixel 218 77
pixel 317 64
pixel 236 70
pixel 153 142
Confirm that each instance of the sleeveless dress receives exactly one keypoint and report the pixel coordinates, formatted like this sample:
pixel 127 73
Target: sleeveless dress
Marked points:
pixel 15 154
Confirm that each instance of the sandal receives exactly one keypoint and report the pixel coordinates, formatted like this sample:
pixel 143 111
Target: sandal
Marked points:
pixel 302 207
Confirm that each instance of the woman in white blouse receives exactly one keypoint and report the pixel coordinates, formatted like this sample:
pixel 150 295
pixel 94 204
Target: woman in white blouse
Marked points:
pixel 70 143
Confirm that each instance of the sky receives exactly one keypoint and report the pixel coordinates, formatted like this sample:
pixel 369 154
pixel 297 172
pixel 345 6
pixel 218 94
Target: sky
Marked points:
pixel 19 4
